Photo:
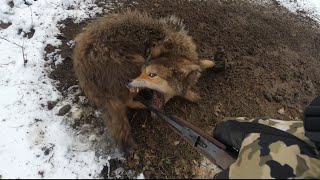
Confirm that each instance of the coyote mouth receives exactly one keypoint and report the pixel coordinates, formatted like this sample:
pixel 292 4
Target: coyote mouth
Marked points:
pixel 153 98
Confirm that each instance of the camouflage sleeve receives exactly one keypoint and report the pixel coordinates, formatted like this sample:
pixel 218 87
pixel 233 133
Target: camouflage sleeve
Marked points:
pixel 270 156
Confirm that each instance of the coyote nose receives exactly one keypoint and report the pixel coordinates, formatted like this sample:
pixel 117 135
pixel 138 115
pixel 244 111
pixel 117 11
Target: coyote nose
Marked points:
pixel 129 83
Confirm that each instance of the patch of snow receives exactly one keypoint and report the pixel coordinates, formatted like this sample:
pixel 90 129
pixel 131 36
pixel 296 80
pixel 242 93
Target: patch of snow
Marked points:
pixel 141 176
pixel 310 7
pixel 34 141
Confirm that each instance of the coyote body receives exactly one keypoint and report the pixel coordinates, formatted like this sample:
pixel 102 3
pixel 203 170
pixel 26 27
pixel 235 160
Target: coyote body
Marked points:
pixel 109 53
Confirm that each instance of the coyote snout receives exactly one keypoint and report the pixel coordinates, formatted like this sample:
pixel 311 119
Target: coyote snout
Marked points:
pixel 153 78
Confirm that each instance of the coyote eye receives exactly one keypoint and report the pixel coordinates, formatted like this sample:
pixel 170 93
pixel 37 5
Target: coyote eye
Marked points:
pixel 152 74
pixel 153 44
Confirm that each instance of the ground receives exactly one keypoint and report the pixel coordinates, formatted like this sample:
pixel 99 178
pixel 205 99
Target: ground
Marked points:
pixel 271 50
pixel 272 69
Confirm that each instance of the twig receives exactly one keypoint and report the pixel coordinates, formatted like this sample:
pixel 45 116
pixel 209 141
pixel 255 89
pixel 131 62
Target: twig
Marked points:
pixel 161 171
pixel 26 3
pixel 164 171
pixel 23 55
pixel 31 16
pixel 76 150
pixel 5 64
pixel 50 157
pixel 17 126
pixel 11 42
pixel 49 161
pixel 134 115
pixel 63 120
pixel 19 100
pixel 145 122
pixel 36 120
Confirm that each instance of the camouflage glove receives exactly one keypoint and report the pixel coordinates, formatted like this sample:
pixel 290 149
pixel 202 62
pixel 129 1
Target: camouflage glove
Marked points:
pixel 269 153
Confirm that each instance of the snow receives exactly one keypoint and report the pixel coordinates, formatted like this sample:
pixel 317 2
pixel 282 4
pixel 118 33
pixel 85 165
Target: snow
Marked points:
pixel 35 143
pixel 141 176
pixel 27 128
pixel 310 7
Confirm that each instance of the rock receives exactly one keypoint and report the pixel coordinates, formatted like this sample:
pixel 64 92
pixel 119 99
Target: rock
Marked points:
pixel 51 104
pixel 281 111
pixel 284 77
pixel 11 4
pixel 64 110
pixel 176 143
pixel 77 114
pixel 153 115
pixel 268 96
pixel 136 157
pixel 277 98
pixel 177 171
pixel 160 163
pixel 296 98
pixel 205 170
pixel 93 137
pixel 291 106
pixel 147 174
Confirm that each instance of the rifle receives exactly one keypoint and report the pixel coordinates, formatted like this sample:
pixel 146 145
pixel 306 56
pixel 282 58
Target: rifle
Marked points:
pixel 218 153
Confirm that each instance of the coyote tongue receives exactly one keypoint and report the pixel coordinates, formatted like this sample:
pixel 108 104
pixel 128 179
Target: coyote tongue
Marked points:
pixel 153 98
pixel 157 100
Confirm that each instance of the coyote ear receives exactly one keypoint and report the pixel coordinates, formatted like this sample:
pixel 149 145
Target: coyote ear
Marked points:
pixel 138 59
pixel 187 66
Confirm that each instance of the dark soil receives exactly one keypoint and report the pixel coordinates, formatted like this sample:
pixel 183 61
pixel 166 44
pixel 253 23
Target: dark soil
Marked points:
pixel 273 61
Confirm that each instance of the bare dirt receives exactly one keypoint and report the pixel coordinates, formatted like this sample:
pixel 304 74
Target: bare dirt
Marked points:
pixel 273 61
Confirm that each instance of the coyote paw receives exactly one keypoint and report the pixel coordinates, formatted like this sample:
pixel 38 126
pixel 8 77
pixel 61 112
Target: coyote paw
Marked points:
pixel 192 96
pixel 128 147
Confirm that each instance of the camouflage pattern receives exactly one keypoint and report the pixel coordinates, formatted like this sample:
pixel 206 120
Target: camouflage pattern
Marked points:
pixel 270 156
